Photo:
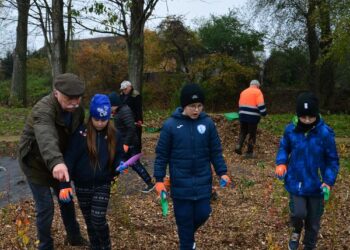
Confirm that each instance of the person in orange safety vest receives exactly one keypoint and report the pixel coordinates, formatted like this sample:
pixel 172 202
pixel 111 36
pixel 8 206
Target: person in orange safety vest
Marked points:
pixel 251 108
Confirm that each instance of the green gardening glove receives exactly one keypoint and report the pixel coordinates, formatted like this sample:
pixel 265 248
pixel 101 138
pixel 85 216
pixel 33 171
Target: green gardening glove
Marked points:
pixel 326 190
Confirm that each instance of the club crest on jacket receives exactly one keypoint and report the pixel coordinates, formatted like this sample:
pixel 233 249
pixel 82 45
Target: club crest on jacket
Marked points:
pixel 201 128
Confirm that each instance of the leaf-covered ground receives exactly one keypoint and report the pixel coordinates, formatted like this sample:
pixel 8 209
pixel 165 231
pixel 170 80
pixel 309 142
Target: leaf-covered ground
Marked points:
pixel 253 215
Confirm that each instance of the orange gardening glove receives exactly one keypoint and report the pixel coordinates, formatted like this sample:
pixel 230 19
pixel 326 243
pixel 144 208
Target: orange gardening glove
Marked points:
pixel 125 148
pixel 224 181
pixel 281 171
pixel 160 187
pixel 66 192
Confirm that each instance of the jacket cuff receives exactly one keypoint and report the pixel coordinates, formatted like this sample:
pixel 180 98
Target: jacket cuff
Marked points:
pixel 65 185
pixel 159 179
pixel 54 162
pixel 221 174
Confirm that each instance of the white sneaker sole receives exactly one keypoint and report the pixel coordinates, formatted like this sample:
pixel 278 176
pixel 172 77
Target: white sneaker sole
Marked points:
pixel 149 190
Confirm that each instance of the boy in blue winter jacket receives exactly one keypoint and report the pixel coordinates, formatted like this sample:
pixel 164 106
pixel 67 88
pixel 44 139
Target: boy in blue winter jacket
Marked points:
pixel 308 162
pixel 189 143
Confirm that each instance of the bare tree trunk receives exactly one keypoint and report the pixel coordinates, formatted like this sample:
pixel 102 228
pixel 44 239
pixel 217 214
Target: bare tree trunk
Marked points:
pixel 59 58
pixel 327 67
pixel 135 43
pixel 313 45
pixel 19 75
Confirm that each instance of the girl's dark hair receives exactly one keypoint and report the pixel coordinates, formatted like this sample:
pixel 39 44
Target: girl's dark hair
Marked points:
pixel 91 143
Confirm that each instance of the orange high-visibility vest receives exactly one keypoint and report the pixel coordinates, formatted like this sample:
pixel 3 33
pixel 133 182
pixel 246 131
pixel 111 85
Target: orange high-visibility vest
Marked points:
pixel 251 105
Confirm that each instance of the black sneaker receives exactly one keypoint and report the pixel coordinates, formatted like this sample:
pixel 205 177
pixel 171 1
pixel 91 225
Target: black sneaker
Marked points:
pixel 149 188
pixel 214 196
pixel 76 241
pixel 294 241
pixel 249 155
pixel 238 150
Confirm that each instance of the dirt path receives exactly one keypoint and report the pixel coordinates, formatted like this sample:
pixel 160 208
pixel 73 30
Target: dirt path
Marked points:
pixel 9 138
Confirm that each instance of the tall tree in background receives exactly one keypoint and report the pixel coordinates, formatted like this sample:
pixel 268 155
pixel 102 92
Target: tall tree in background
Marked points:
pixel 313 19
pixel 51 21
pixel 226 34
pixel 184 46
pixel 287 20
pixel 327 65
pixel 19 75
pixel 124 18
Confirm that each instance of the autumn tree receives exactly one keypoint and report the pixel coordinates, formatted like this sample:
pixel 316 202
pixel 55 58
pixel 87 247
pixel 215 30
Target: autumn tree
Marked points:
pixel 19 75
pixel 221 76
pixel 154 60
pixel 183 47
pixel 288 67
pixel 226 34
pixel 126 19
pixel 51 19
pixel 100 66
pixel 307 22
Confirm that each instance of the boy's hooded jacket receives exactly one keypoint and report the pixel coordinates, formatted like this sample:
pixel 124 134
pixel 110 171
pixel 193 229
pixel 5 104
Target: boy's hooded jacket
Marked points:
pixel 311 159
pixel 189 147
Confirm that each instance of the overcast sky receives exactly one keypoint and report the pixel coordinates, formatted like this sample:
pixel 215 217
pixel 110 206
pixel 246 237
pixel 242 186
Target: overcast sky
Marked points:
pixel 192 9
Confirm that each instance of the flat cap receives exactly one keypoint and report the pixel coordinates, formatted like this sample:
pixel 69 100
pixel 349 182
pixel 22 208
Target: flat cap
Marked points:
pixel 69 84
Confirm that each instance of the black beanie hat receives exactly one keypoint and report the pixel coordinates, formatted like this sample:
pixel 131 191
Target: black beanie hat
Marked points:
pixel 115 100
pixel 307 105
pixel 191 93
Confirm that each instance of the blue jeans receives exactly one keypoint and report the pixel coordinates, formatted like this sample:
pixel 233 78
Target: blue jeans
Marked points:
pixel 44 206
pixel 190 215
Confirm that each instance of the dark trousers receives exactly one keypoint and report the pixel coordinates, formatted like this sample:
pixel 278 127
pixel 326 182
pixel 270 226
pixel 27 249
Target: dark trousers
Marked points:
pixel 306 212
pixel 139 137
pixel 138 167
pixel 93 202
pixel 44 208
pixel 247 129
pixel 190 215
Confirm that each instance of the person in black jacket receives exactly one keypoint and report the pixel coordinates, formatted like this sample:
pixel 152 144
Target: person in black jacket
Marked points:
pixel 125 124
pixel 92 157
pixel 133 99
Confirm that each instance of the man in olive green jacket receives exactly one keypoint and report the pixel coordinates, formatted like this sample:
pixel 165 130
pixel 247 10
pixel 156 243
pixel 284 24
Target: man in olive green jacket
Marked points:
pixel 41 147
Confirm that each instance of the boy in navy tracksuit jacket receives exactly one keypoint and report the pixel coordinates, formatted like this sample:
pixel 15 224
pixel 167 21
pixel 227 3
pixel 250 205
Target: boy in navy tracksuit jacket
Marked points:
pixel 308 162
pixel 91 159
pixel 189 143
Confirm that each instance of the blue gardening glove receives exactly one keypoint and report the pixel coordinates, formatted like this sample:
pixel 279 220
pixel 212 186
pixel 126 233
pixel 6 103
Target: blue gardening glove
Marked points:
pixel 66 192
pixel 225 181
pixel 122 169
